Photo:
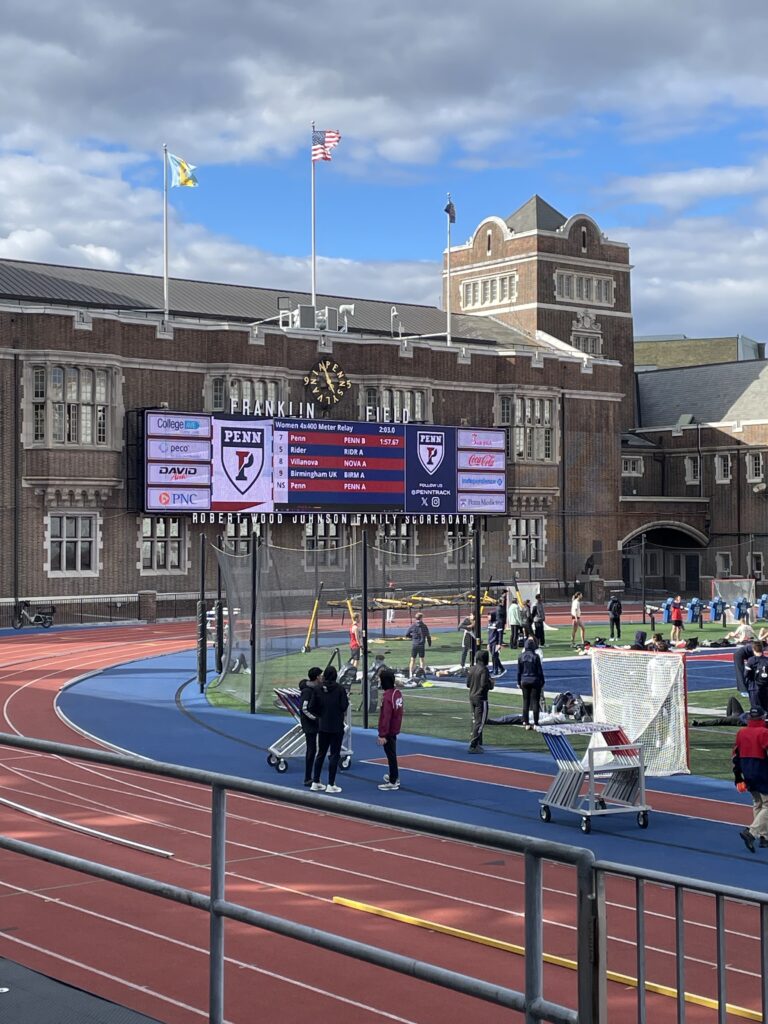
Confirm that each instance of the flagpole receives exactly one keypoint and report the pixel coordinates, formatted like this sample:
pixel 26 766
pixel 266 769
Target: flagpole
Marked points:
pixel 448 285
pixel 166 304
pixel 314 265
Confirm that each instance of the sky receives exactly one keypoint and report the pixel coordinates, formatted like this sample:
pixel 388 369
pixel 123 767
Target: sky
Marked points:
pixel 650 117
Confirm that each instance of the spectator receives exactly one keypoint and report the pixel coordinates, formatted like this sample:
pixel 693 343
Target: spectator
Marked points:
pixel 676 618
pixel 515 620
pixel 614 616
pixel 750 772
pixel 468 640
pixel 530 679
pixel 576 623
pixel 332 707
pixel 420 638
pixel 308 688
pixel 390 723
pixel 539 618
pixel 640 637
pixel 479 683
pixel 494 644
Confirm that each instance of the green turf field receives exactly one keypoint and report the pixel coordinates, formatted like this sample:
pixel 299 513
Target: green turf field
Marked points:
pixel 443 711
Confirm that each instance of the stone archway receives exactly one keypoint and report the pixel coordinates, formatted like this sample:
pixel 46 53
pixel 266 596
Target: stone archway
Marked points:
pixel 672 552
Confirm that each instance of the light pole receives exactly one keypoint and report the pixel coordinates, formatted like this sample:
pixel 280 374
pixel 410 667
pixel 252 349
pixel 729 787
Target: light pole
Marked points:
pixel 642 573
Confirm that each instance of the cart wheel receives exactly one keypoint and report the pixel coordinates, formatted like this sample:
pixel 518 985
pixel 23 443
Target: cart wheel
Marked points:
pixel 601 803
pixel 282 766
pixel 345 762
pixel 642 819
pixel 586 826
pixel 271 760
pixel 544 813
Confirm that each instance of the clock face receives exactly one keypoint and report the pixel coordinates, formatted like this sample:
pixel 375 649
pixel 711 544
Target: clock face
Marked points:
pixel 327 382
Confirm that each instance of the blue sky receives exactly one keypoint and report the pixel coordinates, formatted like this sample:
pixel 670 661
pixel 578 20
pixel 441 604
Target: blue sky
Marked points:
pixel 651 118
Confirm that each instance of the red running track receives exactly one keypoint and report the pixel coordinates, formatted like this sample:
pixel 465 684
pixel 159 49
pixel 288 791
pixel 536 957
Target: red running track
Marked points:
pixel 151 955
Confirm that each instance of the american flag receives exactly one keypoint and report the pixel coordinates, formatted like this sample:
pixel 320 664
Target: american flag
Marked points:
pixel 323 143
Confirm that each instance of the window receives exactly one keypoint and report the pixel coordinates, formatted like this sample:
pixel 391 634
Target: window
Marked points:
pixel 589 343
pixel 584 288
pixel 459 546
pixel 488 242
pixel 398 543
pixel 162 544
pixel 532 437
pixel 242 394
pixel 692 469
pixel 754 467
pixel 396 403
pixel 583 239
pixel 323 545
pixel 652 563
pixel 723 565
pixel 237 538
pixel 723 468
pixel 756 568
pixel 70 406
pixel 489 291
pixel 632 465
pixel 72 545
pixel 526 541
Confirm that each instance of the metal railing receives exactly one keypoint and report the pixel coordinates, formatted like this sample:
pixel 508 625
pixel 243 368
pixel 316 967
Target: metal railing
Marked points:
pixel 77 611
pixel 591 876
pixel 680 887
pixel 531 1001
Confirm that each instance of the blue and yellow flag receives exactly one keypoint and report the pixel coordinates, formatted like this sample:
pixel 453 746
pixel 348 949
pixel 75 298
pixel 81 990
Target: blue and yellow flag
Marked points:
pixel 181 172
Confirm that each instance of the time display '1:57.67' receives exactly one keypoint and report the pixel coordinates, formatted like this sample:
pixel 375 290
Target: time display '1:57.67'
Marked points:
pixel 327 382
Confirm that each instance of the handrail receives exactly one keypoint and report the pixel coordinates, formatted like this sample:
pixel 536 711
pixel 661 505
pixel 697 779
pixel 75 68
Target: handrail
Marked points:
pixel 531 1002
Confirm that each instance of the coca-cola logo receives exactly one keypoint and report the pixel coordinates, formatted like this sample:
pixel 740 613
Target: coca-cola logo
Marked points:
pixel 484 461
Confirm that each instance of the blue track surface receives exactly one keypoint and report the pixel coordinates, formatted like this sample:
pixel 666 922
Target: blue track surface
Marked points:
pixel 152 708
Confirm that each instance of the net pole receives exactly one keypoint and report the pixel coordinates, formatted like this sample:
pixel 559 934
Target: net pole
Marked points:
pixel 219 614
pixel 365 629
pixel 478 606
pixel 202 639
pixel 252 707
pixel 642 574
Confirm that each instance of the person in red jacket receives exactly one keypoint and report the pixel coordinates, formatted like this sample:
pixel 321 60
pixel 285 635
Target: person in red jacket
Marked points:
pixel 390 722
pixel 750 772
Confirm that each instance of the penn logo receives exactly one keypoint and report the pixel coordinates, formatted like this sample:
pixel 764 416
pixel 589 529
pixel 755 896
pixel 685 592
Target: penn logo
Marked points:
pixel 431 449
pixel 242 456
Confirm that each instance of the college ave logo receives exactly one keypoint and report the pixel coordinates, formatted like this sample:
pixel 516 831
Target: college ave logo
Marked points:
pixel 431 449
pixel 242 456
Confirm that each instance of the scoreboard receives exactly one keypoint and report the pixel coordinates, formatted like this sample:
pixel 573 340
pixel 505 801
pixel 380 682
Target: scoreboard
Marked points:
pixel 231 463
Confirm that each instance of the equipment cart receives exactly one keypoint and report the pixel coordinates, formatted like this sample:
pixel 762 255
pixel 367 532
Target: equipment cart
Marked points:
pixel 292 743
pixel 622 781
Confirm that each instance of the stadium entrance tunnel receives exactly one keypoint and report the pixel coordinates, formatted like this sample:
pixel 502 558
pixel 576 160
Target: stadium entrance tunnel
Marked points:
pixel 672 553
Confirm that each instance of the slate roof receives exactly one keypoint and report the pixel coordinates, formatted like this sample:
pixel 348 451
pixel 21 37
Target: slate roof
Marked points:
pixel 712 393
pixel 111 290
pixel 535 215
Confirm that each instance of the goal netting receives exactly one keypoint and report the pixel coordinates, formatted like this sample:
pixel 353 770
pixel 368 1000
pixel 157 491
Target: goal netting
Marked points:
pixel 645 694
pixel 732 589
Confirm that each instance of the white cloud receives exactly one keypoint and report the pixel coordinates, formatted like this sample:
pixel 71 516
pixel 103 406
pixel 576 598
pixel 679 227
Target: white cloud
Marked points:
pixel 676 190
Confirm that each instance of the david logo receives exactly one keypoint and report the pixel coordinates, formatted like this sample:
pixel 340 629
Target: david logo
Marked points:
pixel 431 449
pixel 242 456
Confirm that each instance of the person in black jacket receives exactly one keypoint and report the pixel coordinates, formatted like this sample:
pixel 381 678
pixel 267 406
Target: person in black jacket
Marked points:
pixel 330 706
pixel 614 616
pixel 479 683
pixel 420 637
pixel 308 720
pixel 530 679
pixel 468 640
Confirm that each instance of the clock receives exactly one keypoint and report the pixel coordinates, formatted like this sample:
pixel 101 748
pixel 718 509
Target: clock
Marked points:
pixel 327 382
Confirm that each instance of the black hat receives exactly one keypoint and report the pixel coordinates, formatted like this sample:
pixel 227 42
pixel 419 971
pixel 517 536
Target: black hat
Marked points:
pixel 756 713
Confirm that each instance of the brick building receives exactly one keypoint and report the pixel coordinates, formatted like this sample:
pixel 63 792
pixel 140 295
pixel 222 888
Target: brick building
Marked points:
pixel 83 350
pixel 694 476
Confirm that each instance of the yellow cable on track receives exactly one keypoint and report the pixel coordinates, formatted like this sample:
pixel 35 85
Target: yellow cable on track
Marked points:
pixel 548 958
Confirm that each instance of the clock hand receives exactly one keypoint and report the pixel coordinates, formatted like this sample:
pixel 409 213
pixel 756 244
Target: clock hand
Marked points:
pixel 329 381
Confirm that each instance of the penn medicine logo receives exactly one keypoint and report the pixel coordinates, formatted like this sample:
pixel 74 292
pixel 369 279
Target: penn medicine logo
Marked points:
pixel 242 456
pixel 431 449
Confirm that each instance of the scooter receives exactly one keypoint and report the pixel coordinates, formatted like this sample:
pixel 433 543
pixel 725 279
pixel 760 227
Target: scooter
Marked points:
pixel 23 617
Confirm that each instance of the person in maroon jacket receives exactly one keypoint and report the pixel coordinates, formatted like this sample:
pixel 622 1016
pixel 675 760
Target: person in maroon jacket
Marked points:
pixel 750 772
pixel 390 722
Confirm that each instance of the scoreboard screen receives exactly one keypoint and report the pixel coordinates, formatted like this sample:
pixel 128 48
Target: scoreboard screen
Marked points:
pixel 231 463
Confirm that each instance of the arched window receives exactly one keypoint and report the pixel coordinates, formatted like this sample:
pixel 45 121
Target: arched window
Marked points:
pixel 583 239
